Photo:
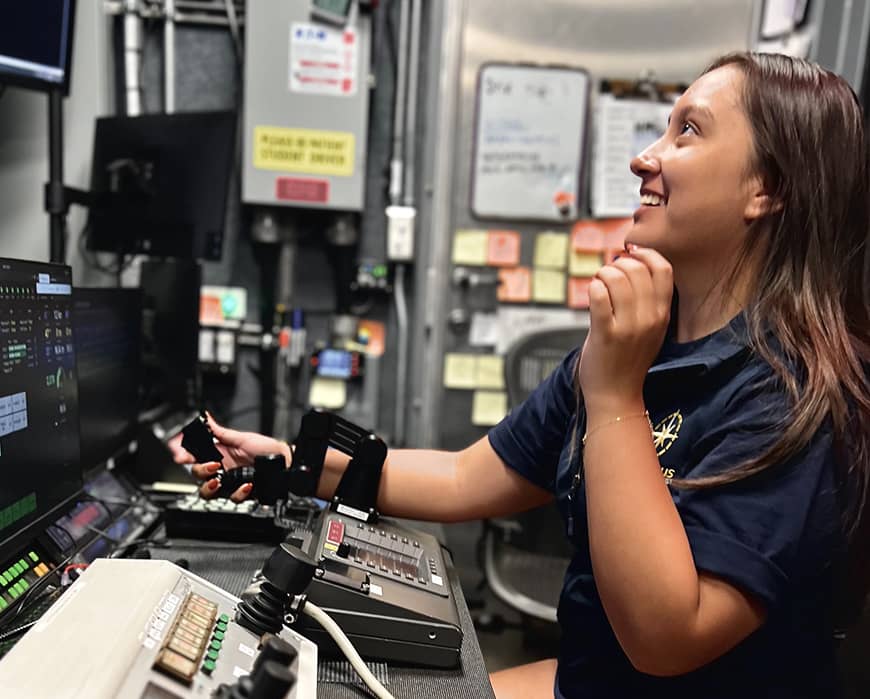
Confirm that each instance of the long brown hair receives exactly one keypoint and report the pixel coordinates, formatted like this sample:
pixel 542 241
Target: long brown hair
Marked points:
pixel 811 289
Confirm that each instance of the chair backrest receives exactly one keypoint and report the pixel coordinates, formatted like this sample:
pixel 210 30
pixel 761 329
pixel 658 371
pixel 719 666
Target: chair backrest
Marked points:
pixel 534 356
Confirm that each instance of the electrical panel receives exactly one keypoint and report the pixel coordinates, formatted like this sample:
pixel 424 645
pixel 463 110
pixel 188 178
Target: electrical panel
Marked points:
pixel 306 107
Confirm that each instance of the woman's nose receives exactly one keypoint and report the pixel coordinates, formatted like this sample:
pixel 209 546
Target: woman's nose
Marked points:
pixel 645 163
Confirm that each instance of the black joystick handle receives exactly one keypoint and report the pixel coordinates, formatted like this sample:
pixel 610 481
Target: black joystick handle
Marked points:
pixel 276 650
pixel 272 681
pixel 288 572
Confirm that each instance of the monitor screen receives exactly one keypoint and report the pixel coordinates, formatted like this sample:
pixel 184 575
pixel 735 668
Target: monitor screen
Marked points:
pixel 36 44
pixel 39 421
pixel 107 323
pixel 161 183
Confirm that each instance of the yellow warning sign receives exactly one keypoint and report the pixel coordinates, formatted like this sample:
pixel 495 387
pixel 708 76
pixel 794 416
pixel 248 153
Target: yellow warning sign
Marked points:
pixel 304 150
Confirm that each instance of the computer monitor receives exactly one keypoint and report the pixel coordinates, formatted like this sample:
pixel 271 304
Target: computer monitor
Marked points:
pixel 159 184
pixel 107 324
pixel 36 44
pixel 39 420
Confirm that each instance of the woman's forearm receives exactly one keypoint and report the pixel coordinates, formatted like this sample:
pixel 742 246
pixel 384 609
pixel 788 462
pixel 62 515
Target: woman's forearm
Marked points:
pixel 643 565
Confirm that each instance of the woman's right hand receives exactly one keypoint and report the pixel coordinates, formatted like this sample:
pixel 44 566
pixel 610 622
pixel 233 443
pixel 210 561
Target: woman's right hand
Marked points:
pixel 238 449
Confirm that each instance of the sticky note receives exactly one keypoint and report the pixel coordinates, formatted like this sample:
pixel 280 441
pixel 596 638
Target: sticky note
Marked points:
pixel 515 285
pixel 584 264
pixel 503 249
pixel 460 370
pixel 548 286
pixel 587 236
pixel 490 371
pixel 578 293
pixel 551 250
pixel 488 407
pixel 470 247
pixel 327 393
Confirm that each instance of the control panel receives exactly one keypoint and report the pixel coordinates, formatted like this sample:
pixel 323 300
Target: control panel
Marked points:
pixel 138 628
pixel 385 549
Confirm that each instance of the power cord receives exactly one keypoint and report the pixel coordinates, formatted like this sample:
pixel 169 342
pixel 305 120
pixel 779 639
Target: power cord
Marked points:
pixel 347 648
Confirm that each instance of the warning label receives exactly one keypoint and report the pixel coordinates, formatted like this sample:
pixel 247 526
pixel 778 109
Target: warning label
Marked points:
pixel 304 150
pixel 323 60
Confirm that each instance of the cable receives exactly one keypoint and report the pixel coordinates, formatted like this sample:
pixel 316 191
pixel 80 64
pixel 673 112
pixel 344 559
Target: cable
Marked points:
pixel 233 21
pixel 344 644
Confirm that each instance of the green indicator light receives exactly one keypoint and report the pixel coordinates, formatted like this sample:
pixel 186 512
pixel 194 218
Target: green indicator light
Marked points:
pixel 216 645
pixel 14 592
pixel 23 583
pixel 23 564
pixel 221 626
pixel 208 667
pixel 18 568
pixel 219 635
pixel 33 556
pixel 212 656
pixel 224 618
pixel 3 604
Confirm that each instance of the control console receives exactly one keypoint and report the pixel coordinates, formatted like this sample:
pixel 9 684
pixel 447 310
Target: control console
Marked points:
pixel 134 628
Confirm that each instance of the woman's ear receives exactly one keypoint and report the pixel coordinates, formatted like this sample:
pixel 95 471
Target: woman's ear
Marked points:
pixel 760 203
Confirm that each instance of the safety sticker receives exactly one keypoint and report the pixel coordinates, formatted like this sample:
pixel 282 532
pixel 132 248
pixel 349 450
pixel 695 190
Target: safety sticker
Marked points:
pixel 304 150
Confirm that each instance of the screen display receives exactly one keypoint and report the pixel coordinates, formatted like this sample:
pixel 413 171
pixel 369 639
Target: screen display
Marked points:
pixel 335 363
pixel 107 326
pixel 39 421
pixel 36 43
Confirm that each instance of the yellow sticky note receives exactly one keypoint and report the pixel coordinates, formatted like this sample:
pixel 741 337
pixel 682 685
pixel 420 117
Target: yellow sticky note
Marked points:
pixel 460 370
pixel 584 264
pixel 551 250
pixel 488 407
pixel 490 371
pixel 470 247
pixel 548 286
pixel 327 393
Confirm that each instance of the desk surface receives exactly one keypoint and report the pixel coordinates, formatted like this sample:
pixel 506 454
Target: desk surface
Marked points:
pixel 231 566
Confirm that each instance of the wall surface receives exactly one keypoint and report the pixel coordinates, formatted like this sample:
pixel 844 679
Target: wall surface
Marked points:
pixel 24 145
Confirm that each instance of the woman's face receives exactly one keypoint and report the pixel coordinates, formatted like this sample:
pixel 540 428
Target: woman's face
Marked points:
pixel 697 191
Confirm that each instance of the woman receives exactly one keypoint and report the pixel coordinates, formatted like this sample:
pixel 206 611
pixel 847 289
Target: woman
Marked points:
pixel 710 447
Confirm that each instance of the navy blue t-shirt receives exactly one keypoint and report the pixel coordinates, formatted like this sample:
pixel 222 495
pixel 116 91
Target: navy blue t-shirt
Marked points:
pixel 713 405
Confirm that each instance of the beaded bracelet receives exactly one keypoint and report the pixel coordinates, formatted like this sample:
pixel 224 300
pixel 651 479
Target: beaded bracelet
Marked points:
pixel 621 418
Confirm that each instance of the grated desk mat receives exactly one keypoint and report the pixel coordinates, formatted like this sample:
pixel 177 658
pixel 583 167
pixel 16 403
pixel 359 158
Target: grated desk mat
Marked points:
pixel 342 672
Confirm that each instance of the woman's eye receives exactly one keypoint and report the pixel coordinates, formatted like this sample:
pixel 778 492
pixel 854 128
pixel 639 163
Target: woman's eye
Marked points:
pixel 687 128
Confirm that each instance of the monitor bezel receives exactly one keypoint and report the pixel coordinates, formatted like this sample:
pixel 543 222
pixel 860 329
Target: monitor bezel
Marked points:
pixel 41 85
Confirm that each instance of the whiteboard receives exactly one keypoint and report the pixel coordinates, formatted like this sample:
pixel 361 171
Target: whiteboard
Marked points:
pixel 529 142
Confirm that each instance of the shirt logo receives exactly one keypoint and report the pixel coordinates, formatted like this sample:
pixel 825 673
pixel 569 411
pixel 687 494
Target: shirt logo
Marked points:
pixel 666 432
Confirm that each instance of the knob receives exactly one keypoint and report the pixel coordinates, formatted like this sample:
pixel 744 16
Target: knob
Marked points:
pixel 273 681
pixel 274 649
pixel 343 549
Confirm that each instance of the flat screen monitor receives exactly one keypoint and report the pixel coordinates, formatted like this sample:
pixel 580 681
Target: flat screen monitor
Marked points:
pixel 36 44
pixel 107 324
pixel 160 184
pixel 39 420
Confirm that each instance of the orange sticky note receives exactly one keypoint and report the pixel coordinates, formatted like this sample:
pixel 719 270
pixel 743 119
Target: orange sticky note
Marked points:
pixel 503 249
pixel 587 236
pixel 601 234
pixel 515 285
pixel 578 293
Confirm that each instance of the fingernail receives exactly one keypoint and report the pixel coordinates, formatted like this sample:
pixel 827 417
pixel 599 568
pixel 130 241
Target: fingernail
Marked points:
pixel 213 467
pixel 213 484
pixel 631 247
pixel 247 488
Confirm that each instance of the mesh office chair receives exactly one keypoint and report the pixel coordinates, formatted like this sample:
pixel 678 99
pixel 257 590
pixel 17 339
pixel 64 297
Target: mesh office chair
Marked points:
pixel 525 556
